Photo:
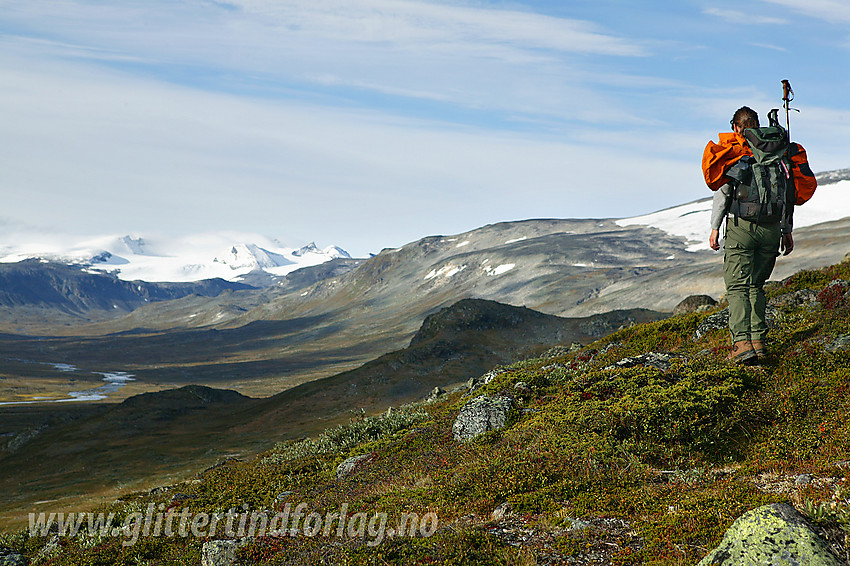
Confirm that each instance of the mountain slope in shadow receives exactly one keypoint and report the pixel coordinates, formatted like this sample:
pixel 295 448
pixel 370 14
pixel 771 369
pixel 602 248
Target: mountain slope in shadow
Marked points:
pixel 154 437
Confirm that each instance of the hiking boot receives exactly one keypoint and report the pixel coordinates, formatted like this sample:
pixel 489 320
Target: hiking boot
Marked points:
pixel 742 353
pixel 759 348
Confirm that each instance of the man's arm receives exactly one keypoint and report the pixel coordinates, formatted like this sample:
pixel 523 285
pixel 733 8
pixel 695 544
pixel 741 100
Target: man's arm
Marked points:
pixel 786 244
pixel 714 239
pixel 719 208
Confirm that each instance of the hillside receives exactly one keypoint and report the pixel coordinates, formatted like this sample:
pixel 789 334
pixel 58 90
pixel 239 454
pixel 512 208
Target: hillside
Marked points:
pixel 35 292
pixel 640 448
pixel 260 342
pixel 70 452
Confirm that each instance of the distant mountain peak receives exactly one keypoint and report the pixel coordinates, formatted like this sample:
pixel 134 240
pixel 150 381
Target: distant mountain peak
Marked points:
pixel 333 252
pixel 308 249
pixel 252 256
pixel 134 245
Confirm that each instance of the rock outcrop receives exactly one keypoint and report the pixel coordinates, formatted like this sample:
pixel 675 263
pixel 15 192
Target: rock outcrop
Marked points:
pixel 793 300
pixel 774 534
pixel 481 415
pixel 435 394
pixel 220 552
pixel 658 360
pixel 9 557
pixel 720 320
pixel 694 303
pixel 348 466
pixel 840 344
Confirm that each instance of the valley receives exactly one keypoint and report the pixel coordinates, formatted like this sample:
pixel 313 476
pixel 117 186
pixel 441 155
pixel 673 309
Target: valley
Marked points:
pixel 99 450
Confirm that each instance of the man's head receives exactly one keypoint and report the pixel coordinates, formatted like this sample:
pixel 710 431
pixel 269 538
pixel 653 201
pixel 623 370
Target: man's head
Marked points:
pixel 745 117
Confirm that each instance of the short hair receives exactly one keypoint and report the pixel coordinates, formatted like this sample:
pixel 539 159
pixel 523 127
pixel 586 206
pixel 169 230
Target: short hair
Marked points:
pixel 745 117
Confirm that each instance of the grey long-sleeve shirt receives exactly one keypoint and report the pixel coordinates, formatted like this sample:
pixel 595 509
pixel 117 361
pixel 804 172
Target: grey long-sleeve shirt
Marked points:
pixel 720 205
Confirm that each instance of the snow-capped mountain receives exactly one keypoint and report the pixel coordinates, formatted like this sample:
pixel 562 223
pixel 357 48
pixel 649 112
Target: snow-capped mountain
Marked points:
pixel 227 255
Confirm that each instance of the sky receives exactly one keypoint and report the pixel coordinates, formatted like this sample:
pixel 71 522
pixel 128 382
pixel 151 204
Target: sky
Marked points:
pixel 372 123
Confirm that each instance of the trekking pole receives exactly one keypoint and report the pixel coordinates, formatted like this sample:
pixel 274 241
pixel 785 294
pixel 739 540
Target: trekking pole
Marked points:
pixel 787 97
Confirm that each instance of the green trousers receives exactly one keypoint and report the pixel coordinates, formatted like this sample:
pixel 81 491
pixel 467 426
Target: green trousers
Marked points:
pixel 750 254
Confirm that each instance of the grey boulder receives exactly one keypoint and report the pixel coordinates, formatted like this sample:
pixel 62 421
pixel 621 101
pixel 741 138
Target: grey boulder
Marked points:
pixel 775 534
pixel 480 415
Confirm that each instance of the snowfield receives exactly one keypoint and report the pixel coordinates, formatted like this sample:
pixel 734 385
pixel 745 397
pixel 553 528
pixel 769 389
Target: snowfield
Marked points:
pixel 692 221
pixel 226 255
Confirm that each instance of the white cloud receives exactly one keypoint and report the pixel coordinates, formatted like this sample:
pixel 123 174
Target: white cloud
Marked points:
pixel 473 56
pixel 831 11
pixel 743 19
pixel 407 24
pixel 770 46
pixel 88 148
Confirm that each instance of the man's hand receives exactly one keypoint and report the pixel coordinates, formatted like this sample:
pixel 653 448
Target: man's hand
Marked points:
pixel 714 240
pixel 786 244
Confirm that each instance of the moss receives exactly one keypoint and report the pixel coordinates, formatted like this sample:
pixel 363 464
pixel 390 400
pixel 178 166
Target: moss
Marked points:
pixel 813 279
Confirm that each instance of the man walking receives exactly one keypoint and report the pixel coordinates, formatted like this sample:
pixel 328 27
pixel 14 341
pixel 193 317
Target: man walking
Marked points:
pixel 756 200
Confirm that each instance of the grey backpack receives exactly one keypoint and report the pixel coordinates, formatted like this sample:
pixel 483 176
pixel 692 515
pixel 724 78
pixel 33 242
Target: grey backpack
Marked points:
pixel 763 182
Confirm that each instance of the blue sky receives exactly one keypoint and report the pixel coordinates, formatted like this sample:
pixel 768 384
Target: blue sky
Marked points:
pixel 372 123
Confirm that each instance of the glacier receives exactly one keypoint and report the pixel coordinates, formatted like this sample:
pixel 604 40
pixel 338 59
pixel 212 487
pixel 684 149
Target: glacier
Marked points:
pixel 226 255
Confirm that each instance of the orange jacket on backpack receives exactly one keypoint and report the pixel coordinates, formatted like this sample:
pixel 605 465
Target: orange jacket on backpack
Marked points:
pixel 805 182
pixel 719 157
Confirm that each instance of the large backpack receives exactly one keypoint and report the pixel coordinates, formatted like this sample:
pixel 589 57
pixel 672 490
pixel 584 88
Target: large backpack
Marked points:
pixel 764 186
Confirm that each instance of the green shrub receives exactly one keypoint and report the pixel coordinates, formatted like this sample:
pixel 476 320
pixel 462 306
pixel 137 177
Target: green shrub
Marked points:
pixel 344 437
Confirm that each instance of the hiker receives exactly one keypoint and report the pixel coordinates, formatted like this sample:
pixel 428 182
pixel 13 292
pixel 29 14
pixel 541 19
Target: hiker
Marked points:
pixel 756 230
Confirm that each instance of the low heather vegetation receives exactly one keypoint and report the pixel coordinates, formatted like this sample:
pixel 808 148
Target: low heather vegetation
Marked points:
pixel 640 462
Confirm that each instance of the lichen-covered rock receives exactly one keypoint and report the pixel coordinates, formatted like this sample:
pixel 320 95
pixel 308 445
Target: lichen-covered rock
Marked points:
pixel 693 304
pixel 795 299
pixel 349 465
pixel 476 382
pixel 435 394
pixel 9 557
pixel 502 511
pixel 840 344
pixel 720 320
pixel 481 415
pixel 715 321
pixel 775 535
pixel 658 360
pixel 219 552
